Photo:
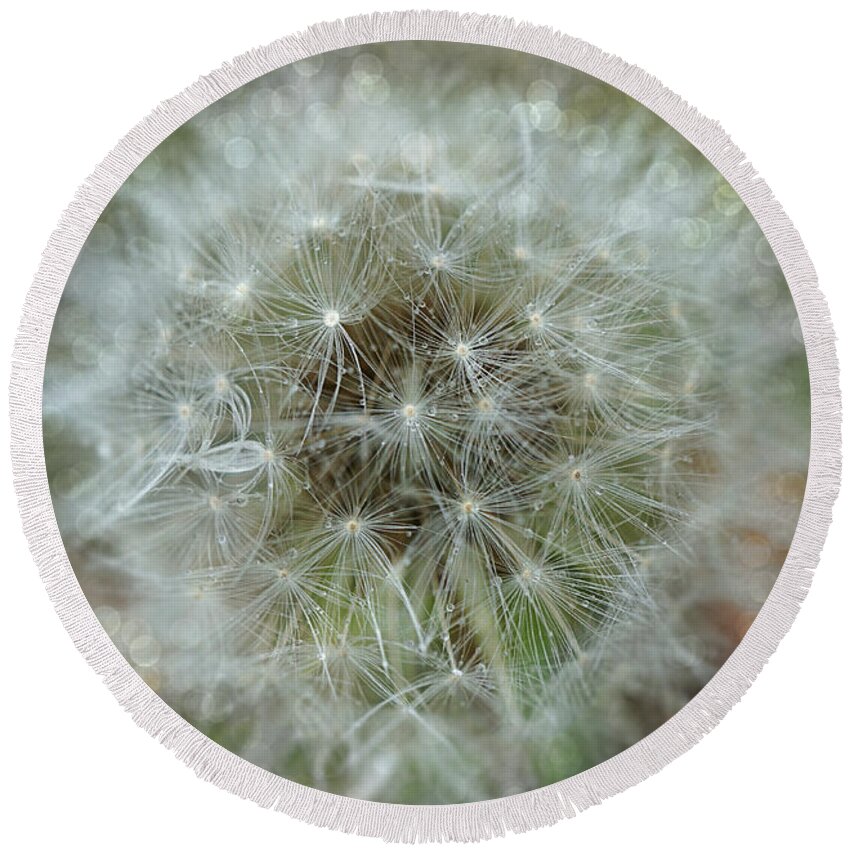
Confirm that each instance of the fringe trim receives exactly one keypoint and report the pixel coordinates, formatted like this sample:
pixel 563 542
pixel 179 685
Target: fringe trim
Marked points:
pixel 469 821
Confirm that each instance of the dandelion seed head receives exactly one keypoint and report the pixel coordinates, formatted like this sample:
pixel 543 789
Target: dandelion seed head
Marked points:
pixel 406 441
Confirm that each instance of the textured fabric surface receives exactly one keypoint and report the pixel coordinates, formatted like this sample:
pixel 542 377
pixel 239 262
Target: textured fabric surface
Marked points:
pixel 428 423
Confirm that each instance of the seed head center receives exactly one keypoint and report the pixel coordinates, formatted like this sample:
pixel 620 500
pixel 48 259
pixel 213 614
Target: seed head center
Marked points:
pixel 331 318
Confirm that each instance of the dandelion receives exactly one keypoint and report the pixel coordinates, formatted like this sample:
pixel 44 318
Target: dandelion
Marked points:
pixel 412 448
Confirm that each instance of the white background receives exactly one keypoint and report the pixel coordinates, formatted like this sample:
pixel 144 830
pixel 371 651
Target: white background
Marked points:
pixel 76 77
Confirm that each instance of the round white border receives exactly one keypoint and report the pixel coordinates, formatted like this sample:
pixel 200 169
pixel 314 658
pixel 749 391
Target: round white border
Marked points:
pixel 468 821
